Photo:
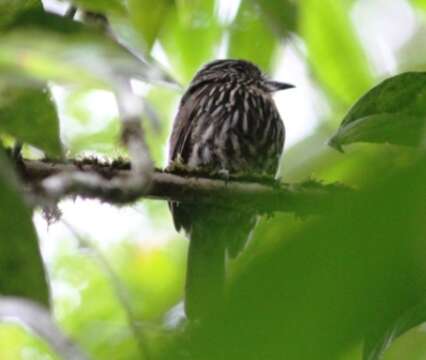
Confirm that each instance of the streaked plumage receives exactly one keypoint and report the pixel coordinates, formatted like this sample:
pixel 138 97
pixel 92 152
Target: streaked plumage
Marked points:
pixel 227 123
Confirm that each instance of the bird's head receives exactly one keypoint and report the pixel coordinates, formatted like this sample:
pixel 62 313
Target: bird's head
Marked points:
pixel 239 71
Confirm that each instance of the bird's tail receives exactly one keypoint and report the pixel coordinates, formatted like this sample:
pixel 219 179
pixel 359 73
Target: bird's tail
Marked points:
pixel 205 277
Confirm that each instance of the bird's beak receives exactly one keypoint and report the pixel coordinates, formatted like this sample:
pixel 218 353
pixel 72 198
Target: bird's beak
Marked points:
pixel 273 86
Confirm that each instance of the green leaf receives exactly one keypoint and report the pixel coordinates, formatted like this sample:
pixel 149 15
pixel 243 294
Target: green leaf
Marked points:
pixel 21 266
pixel 148 16
pixel 282 14
pixel 394 111
pixel 251 38
pixel 27 114
pixel 409 319
pixel 191 36
pixel 334 50
pixel 30 116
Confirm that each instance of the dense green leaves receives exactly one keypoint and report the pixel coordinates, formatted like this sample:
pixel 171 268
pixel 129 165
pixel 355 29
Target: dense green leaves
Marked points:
pixel 393 111
pixel 334 49
pixel 21 267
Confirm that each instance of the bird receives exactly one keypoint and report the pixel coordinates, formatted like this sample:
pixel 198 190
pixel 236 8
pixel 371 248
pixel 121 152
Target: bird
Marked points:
pixel 227 123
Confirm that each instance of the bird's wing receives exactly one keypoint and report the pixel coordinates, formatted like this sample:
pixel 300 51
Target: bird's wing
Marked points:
pixel 184 122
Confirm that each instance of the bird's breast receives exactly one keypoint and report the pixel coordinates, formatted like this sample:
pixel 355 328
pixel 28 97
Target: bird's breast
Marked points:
pixel 236 130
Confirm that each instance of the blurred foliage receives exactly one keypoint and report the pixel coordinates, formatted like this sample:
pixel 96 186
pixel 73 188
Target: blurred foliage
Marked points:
pixel 191 35
pixel 334 49
pixel 420 3
pixel 410 319
pixel 281 15
pixel 16 343
pixel 347 285
pixel 103 6
pixel 342 278
pixel 19 106
pixel 80 49
pixel 252 38
pixel 10 10
pixel 148 17
pixel 21 267
pixel 412 54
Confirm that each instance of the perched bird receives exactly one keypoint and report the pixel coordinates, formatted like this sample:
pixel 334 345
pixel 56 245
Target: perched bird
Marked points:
pixel 227 123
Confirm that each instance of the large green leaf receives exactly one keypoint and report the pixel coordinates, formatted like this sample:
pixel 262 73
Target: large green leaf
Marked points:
pixel 21 267
pixel 30 116
pixel 191 36
pixel 251 38
pixel 394 111
pixel 334 49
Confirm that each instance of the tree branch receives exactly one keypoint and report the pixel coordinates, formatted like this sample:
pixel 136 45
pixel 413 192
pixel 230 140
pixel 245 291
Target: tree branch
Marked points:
pixel 109 183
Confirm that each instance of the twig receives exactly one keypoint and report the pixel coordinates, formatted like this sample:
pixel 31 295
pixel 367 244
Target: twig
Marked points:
pixel 110 179
pixel 39 320
pixel 119 290
pixel 130 108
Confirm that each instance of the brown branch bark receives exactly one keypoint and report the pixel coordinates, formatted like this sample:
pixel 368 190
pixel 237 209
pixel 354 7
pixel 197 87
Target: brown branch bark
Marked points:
pixel 109 184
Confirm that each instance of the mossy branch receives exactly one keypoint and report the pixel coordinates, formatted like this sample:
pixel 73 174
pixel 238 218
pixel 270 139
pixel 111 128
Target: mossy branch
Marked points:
pixel 108 181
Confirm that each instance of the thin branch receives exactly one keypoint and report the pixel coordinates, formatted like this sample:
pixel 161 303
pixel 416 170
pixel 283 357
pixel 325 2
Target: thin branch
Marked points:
pixel 130 108
pixel 110 179
pixel 119 289
pixel 39 320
